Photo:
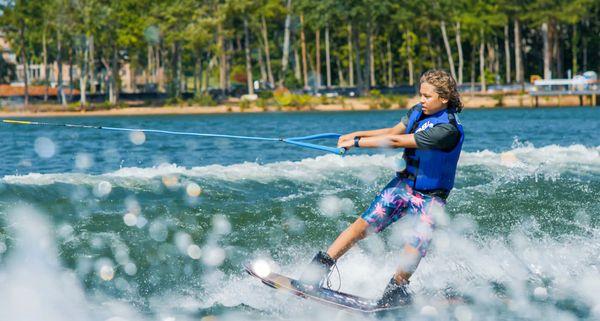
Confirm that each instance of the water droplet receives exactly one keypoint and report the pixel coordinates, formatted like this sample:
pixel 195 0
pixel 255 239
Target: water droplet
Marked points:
pixel 104 269
pixel 400 164
pixel 429 311
pixel 79 193
pixel 102 189
pixel 130 219
pixel 194 251
pixel 130 268
pixel 221 224
pixel 107 273
pixel 141 222
pixel 132 205
pixel 158 231
pixel 463 313
pixel 294 225
pixel 152 34
pixel 121 255
pixel 182 241
pixel 83 161
pixel 44 147
pixel 170 181
pixel 213 256
pixel 122 284
pixel 137 137
pixel 193 190
pixel 540 293
pixel 333 206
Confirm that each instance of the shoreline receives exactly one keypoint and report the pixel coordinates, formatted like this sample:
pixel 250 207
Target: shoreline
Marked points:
pixel 358 104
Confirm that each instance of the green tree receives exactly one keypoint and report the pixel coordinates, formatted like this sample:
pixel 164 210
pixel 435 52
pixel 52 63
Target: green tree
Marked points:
pixel 550 15
pixel 199 39
pixel 173 18
pixel 17 20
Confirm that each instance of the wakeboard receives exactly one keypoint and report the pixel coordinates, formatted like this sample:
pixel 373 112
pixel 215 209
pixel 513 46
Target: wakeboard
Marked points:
pixel 322 295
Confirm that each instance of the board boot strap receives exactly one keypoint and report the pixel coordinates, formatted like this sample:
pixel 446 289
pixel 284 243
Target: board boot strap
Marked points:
pixel 318 269
pixel 395 294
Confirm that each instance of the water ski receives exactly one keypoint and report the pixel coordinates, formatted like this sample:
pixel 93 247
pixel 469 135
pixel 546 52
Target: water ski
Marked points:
pixel 326 296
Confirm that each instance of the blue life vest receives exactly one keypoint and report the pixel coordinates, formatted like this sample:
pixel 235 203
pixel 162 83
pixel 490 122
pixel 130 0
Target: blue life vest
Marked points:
pixel 431 169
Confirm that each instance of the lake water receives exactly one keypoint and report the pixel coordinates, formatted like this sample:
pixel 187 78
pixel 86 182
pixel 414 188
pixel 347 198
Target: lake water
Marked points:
pixel 100 225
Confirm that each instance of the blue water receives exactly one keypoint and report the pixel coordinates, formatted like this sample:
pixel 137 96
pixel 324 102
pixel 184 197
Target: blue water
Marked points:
pixel 495 130
pixel 113 226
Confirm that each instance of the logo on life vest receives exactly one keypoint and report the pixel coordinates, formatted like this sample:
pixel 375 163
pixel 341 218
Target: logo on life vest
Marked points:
pixel 428 124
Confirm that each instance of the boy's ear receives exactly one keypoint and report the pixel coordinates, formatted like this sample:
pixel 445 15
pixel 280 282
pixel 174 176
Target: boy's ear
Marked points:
pixel 445 100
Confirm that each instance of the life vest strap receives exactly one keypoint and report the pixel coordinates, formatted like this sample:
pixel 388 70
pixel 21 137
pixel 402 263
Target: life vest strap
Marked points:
pixel 406 176
pixel 410 161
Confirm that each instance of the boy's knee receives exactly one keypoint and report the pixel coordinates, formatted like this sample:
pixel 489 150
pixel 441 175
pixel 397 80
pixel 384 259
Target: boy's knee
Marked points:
pixel 360 228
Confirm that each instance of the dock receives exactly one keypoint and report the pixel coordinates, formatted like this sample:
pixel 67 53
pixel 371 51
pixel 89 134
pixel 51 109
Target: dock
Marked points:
pixel 585 89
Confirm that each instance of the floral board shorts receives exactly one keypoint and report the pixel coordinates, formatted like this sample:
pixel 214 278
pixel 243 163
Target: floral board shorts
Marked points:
pixel 397 200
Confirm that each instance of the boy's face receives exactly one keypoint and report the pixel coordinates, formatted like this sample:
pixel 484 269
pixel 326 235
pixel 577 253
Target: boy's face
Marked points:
pixel 431 100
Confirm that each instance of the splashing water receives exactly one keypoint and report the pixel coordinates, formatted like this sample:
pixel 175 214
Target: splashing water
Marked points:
pixel 520 238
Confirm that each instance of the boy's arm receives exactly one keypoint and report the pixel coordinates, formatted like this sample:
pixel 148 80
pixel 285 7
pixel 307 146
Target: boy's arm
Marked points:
pixel 398 129
pixel 384 141
pixel 443 137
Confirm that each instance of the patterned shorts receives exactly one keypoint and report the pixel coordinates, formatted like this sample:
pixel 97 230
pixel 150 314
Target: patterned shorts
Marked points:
pixel 397 200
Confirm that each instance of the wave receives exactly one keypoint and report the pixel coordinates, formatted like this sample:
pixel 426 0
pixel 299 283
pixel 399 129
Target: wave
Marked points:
pixel 505 278
pixel 530 157
pixel 541 249
pixel 552 159
pixel 35 284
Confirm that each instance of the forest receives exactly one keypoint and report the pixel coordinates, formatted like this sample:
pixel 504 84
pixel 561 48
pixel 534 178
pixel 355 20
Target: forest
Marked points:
pixel 179 46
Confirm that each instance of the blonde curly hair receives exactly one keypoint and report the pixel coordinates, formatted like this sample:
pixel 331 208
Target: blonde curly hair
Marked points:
pixel 445 86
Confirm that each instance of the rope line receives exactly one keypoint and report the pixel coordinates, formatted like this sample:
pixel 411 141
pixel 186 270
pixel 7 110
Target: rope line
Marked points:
pixel 296 141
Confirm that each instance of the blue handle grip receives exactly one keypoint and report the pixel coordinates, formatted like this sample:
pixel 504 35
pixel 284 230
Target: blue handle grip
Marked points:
pixel 317 136
pixel 335 150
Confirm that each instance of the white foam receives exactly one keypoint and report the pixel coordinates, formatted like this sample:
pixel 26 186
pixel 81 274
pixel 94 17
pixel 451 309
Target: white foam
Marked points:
pixel 530 157
pixel 548 160
pixel 523 263
pixel 35 286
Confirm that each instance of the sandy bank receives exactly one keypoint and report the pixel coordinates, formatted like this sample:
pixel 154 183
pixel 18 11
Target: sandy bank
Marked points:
pixel 231 107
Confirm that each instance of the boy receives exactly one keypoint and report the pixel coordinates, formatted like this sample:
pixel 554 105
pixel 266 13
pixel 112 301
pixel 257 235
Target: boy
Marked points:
pixel 432 138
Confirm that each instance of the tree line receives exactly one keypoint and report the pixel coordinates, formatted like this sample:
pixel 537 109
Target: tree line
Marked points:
pixel 193 45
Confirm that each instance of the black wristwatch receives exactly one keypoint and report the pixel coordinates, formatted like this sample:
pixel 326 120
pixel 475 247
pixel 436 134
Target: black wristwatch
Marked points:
pixel 356 140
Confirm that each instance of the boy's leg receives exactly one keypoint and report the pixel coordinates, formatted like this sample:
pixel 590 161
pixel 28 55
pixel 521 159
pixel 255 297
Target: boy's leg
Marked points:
pixel 396 292
pixel 354 233
pixel 323 262
pixel 410 258
pixel 422 211
pixel 379 215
